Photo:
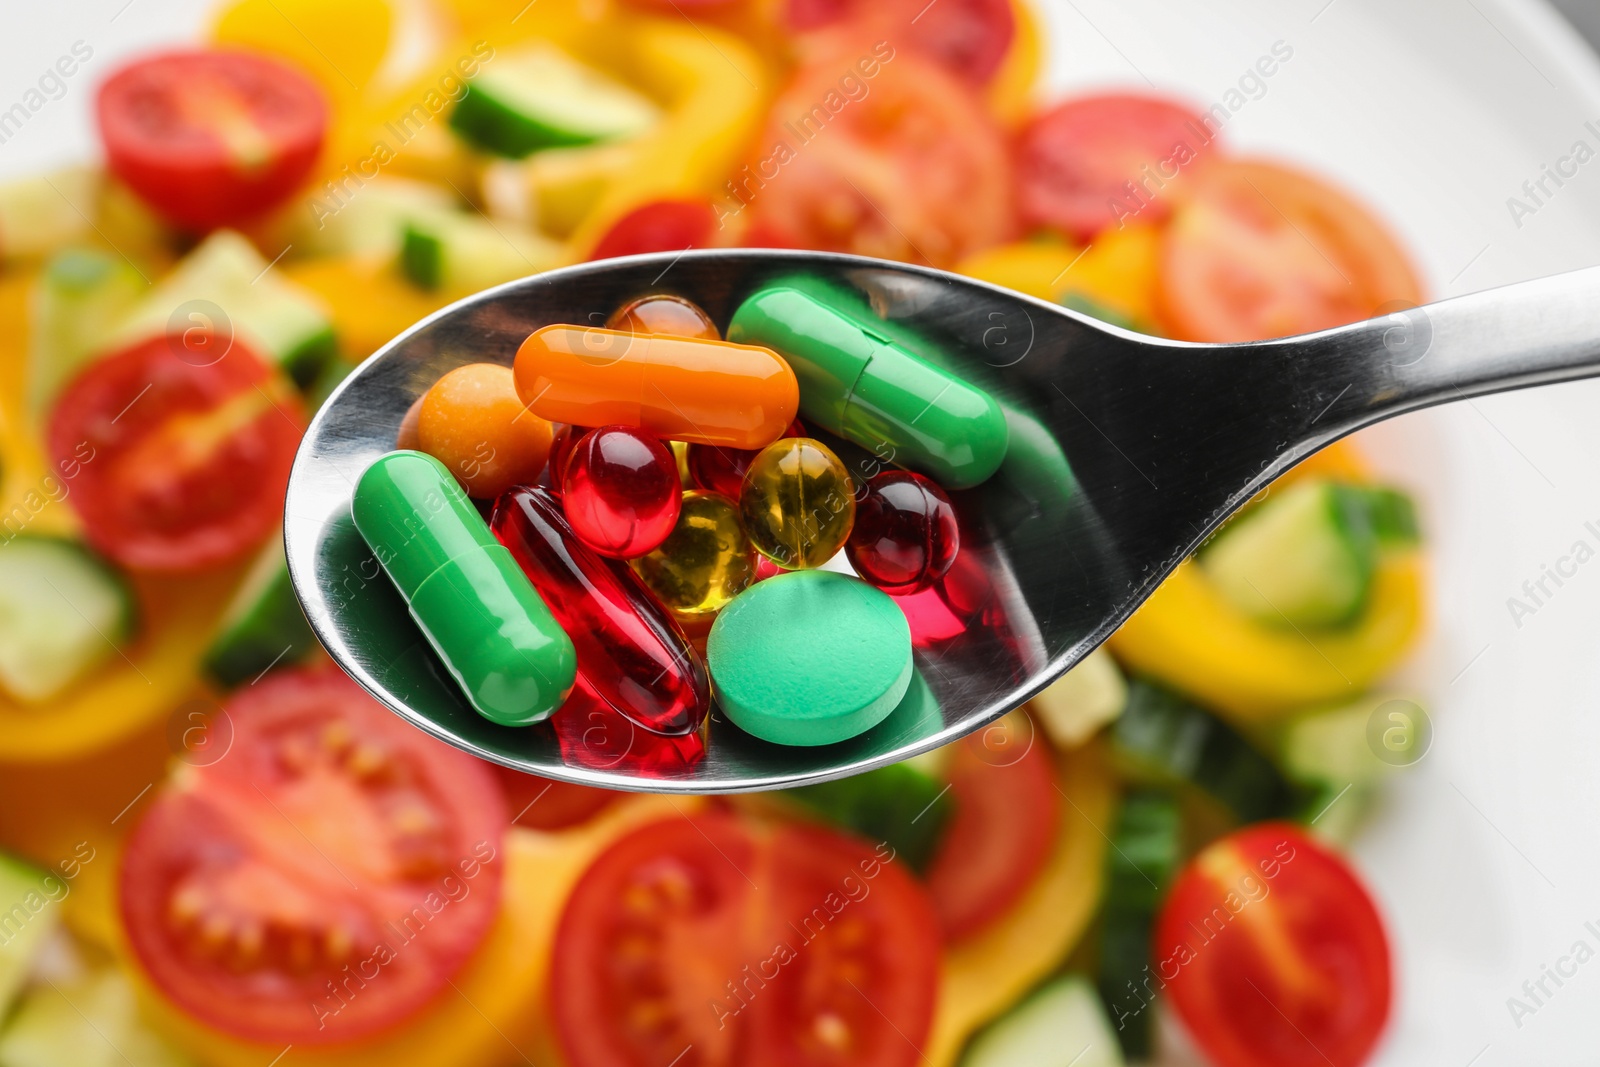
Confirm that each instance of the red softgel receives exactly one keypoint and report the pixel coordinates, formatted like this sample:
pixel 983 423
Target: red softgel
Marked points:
pixel 630 652
pixel 621 491
pixel 722 470
pixel 905 536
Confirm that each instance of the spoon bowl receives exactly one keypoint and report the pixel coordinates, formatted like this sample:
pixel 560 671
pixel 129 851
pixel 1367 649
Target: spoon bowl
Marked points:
pixel 1125 453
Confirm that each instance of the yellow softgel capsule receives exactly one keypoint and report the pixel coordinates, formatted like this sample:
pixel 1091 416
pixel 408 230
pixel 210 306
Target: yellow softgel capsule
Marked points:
pixel 797 504
pixel 705 561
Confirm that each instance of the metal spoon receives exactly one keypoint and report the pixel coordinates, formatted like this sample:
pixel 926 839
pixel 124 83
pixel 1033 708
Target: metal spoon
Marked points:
pixel 1126 452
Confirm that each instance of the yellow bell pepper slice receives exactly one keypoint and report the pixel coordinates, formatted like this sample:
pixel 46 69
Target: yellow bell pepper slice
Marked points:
pixel 340 44
pixel 984 975
pixel 1010 93
pixel 369 301
pixel 176 616
pixel 1120 271
pixel 492 1013
pixel 1036 268
pixel 714 88
pixel 1189 636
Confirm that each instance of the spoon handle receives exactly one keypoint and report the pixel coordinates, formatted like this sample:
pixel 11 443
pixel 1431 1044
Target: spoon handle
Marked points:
pixel 1530 333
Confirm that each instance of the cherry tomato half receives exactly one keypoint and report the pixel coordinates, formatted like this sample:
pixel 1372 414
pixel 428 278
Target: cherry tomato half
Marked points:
pixel 322 880
pixel 182 456
pixel 910 168
pixel 721 943
pixel 1007 815
pixel 969 38
pixel 1257 250
pixel 1273 954
pixel 1096 161
pixel 211 137
pixel 659 226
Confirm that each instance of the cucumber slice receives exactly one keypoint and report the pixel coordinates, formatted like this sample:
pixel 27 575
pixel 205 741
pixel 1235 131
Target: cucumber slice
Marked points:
pixel 28 916
pixel 1060 1025
pixel 62 611
pixel 91 1022
pixel 462 253
pixel 1303 558
pixel 43 214
pixel 370 221
pixel 283 322
pixel 80 294
pixel 1139 869
pixel 1080 702
pixel 1330 747
pixel 1393 516
pixel 263 626
pixel 540 97
pixel 1162 739
pixel 898 804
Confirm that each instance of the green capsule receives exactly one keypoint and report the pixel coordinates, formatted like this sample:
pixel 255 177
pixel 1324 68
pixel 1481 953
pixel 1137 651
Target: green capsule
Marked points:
pixel 857 382
pixel 479 612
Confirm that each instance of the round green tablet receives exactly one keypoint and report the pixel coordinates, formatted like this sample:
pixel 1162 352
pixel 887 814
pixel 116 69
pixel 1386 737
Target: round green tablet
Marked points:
pixel 809 658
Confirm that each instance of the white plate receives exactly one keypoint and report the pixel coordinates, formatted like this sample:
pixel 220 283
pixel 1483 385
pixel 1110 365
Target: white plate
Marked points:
pixel 1487 859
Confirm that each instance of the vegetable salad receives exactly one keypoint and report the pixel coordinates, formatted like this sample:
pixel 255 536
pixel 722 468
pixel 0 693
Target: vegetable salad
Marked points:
pixel 216 850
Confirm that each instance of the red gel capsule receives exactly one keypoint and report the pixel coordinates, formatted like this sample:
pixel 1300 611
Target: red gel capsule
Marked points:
pixel 560 451
pixel 721 470
pixel 905 536
pixel 591 734
pixel 630 652
pixel 621 491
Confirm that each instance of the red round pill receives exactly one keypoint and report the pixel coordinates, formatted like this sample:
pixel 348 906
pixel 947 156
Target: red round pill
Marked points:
pixel 621 491
pixel 721 470
pixel 905 536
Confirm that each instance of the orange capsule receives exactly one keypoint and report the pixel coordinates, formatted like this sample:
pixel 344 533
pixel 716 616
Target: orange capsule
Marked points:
pixel 678 388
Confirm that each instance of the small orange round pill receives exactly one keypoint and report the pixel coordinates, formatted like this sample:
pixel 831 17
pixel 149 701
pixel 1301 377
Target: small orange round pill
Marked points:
pixel 474 423
pixel 664 313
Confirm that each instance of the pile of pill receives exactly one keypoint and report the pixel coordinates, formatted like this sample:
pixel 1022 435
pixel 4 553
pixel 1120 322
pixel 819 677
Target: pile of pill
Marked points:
pixel 659 514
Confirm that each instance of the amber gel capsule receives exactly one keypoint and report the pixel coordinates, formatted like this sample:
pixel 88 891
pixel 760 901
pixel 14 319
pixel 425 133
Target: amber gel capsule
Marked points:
pixel 479 612
pixel 678 388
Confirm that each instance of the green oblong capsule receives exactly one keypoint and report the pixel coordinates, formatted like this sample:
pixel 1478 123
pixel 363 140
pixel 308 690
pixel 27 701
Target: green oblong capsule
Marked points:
pixel 859 383
pixel 475 606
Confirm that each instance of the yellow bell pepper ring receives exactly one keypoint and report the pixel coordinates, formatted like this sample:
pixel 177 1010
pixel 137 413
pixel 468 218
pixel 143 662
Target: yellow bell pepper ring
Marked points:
pixel 1190 637
pixel 984 975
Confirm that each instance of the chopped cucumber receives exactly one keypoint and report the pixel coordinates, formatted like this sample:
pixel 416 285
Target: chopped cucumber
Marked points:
pixel 62 611
pixel 1393 516
pixel 1060 1025
pixel 263 626
pixel 80 294
pixel 41 214
pixel 898 804
pixel 28 915
pixel 540 97
pixel 463 253
pixel 1147 839
pixel 1303 558
pixel 370 221
pixel 1080 702
pixel 1162 739
pixel 226 276
pixel 90 1022
pixel 1330 754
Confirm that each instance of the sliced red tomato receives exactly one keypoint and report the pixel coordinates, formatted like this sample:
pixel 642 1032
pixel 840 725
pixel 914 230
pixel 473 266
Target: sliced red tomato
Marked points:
pixel 1094 162
pixel 182 456
pixel 1273 954
pixel 321 881
pixel 911 168
pixel 211 137
pixel 969 38
pixel 546 804
pixel 714 943
pixel 1257 250
pixel 659 226
pixel 1007 814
